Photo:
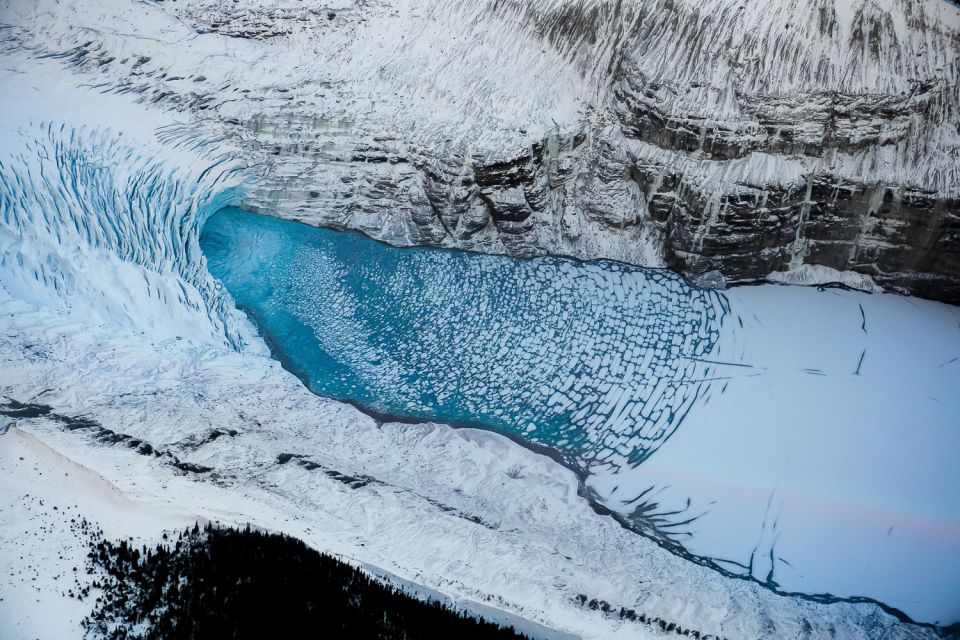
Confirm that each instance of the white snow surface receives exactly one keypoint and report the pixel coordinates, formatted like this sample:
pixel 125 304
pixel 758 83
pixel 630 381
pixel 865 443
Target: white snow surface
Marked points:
pixel 45 496
pixel 107 312
pixel 817 274
pixel 824 457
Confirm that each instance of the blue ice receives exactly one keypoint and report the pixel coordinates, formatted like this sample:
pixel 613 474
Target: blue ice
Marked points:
pixel 598 361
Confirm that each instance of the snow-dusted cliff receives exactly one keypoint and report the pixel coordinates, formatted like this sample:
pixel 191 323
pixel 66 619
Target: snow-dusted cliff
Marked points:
pixel 749 138
pixel 515 127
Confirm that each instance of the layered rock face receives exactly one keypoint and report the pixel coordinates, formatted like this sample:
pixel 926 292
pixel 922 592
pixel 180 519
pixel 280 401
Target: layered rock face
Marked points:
pixel 857 99
pixel 721 136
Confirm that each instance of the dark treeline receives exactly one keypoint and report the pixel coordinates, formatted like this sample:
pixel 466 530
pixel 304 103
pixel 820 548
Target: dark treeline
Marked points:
pixel 218 583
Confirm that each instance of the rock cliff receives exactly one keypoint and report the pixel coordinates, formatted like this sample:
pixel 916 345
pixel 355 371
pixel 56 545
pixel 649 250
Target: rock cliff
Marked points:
pixel 787 137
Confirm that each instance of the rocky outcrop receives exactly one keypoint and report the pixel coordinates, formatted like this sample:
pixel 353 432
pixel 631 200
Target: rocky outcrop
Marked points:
pixel 742 138
pixel 907 241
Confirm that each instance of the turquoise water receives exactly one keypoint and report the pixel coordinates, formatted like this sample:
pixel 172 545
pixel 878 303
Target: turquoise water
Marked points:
pixel 598 361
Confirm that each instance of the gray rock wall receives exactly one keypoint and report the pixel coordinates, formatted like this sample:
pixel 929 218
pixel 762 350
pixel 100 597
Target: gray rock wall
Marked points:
pixel 715 135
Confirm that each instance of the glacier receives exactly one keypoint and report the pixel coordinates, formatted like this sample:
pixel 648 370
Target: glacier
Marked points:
pixel 117 340
pixel 791 420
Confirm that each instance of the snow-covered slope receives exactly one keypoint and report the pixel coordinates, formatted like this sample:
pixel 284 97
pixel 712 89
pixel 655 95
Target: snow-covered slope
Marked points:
pixel 177 402
pixel 128 357
pixel 747 138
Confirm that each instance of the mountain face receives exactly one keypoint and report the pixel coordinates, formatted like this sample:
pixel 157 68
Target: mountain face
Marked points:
pixel 795 141
pixel 723 136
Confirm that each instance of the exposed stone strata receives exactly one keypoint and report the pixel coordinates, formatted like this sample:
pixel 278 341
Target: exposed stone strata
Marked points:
pixel 907 241
pixel 806 124
pixel 747 138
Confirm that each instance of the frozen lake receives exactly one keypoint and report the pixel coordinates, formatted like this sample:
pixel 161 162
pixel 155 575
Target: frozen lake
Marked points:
pixel 597 361
pixel 805 438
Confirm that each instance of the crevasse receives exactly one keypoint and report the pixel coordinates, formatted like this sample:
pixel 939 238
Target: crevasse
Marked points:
pixel 95 226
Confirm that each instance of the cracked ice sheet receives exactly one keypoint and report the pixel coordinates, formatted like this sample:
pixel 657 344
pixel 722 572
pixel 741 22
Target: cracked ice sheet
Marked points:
pixel 849 477
pixel 543 546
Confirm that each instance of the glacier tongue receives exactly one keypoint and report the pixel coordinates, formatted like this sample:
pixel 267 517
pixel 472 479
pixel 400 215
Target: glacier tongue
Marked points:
pixel 598 361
